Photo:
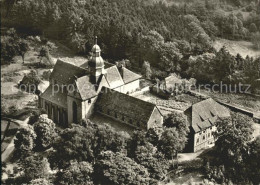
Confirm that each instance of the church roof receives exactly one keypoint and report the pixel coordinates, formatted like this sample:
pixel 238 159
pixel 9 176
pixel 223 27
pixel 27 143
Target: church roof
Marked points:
pixel 205 113
pixel 56 97
pixel 113 77
pixel 86 64
pixel 129 76
pixel 85 87
pixel 127 105
pixel 65 72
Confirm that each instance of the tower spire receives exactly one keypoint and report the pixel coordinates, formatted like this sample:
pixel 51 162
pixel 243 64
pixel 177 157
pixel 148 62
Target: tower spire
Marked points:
pixel 96 64
pixel 95 40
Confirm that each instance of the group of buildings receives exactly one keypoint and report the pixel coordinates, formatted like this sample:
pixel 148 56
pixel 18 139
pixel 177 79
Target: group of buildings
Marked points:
pixel 76 92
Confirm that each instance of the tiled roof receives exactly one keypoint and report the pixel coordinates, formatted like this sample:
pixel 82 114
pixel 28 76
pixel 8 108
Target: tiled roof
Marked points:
pixel 129 76
pixel 57 98
pixel 65 72
pixel 205 113
pixel 130 106
pixel 113 77
pixel 86 88
pixel 107 65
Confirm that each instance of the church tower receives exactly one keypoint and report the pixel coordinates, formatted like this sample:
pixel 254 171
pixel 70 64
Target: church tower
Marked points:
pixel 96 63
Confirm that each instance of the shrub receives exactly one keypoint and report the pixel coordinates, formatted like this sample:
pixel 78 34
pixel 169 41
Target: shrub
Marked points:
pixel 46 75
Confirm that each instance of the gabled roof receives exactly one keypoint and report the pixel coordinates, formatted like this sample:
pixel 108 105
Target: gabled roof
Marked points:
pixel 59 98
pixel 129 76
pixel 113 77
pixel 107 65
pixel 85 87
pixel 65 72
pixel 205 113
pixel 127 105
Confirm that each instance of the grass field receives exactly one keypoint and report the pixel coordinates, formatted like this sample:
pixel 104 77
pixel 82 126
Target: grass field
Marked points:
pixel 244 48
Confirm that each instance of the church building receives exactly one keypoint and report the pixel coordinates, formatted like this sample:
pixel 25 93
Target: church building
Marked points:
pixel 75 92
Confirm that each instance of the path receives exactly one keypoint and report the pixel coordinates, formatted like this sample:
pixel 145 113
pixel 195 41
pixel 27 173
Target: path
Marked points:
pixel 10 148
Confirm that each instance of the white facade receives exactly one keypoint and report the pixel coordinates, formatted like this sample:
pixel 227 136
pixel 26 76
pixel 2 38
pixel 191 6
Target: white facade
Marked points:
pixel 204 138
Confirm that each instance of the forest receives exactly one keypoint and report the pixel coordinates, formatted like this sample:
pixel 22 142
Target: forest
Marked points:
pixel 152 37
pixel 163 35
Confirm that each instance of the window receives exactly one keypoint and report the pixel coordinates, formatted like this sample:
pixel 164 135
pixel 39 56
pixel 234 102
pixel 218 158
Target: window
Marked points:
pixel 203 137
pixel 198 140
pixel 209 135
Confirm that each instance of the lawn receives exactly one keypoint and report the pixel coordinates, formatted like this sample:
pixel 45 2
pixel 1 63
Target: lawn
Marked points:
pixel 101 119
pixel 244 48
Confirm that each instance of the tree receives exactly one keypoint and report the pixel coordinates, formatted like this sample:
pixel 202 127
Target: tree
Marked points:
pixel 138 139
pixel 45 130
pixel 171 143
pixel 109 139
pixel 223 65
pixel 233 145
pixel 35 115
pixel 8 50
pixel 255 38
pixel 254 161
pixel 24 141
pixel 240 61
pixel 116 168
pixel 153 135
pixel 44 53
pixel 202 67
pixel 149 48
pixel 154 161
pixel 178 121
pixel 252 28
pixel 35 167
pixel 40 181
pixel 146 70
pixel 169 56
pixel 30 82
pixel 77 144
pixel 78 173
pixel 23 48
